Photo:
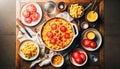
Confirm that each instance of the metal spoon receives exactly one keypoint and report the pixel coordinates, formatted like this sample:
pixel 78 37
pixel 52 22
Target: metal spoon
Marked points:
pixel 87 7
pixel 93 4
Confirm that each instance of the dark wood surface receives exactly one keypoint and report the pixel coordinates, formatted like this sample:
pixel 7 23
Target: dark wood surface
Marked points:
pixel 7 35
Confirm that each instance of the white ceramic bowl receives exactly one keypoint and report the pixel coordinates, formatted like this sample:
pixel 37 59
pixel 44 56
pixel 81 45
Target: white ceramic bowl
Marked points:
pixel 23 56
pixel 73 61
pixel 60 63
pixel 98 39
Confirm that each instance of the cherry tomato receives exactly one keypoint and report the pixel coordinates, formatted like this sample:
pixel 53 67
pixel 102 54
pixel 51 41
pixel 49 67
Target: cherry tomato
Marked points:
pixel 79 60
pixel 31 8
pixel 35 16
pixel 26 13
pixel 28 20
pixel 67 35
pixel 93 44
pixel 86 42
pixel 53 40
pixel 76 54
pixel 54 26
pixel 63 29
pixel 82 55
pixel 49 34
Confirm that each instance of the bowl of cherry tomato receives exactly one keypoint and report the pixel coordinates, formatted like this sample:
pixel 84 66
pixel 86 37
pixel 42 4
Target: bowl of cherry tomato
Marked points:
pixel 78 57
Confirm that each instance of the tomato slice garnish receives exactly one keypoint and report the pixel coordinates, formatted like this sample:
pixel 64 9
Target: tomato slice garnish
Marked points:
pixel 67 35
pixel 49 34
pixel 53 40
pixel 54 26
pixel 63 29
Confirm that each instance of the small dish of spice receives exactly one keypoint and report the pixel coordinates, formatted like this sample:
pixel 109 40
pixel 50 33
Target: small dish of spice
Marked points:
pixel 84 25
pixel 61 6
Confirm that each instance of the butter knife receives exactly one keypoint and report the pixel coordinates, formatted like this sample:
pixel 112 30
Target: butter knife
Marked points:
pixel 19 23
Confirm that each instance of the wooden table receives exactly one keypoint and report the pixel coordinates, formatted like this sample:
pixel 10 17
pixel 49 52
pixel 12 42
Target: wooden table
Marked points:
pixel 21 64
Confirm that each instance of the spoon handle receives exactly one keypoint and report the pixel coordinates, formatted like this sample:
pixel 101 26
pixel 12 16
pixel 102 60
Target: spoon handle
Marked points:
pixel 87 6
pixel 93 4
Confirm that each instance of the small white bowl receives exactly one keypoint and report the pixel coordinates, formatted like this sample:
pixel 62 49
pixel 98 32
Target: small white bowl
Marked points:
pixel 59 65
pixel 73 61
pixel 21 53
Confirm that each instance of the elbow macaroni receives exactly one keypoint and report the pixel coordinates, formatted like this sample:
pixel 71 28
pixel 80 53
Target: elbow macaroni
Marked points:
pixel 29 49
pixel 76 10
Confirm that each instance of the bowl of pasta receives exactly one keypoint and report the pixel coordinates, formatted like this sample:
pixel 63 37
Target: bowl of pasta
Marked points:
pixel 28 50
pixel 57 33
pixel 75 10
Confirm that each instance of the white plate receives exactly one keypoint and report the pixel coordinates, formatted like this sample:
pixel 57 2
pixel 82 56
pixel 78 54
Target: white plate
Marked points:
pixel 39 10
pixel 23 56
pixel 98 39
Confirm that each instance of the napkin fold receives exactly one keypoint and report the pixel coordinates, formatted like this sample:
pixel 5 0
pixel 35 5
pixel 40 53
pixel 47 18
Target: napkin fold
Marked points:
pixel 65 15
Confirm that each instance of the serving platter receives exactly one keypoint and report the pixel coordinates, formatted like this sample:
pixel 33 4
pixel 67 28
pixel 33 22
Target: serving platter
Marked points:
pixel 21 64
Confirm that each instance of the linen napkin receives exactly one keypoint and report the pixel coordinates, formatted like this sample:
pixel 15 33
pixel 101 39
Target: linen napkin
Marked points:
pixel 65 15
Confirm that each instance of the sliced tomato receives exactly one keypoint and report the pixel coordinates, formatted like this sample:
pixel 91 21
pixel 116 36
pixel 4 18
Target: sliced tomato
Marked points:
pixel 35 16
pixel 26 13
pixel 28 20
pixel 63 29
pixel 49 34
pixel 53 40
pixel 93 44
pixel 54 26
pixel 67 35
pixel 31 8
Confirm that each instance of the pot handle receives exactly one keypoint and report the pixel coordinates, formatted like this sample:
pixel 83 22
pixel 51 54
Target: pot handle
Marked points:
pixel 75 30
